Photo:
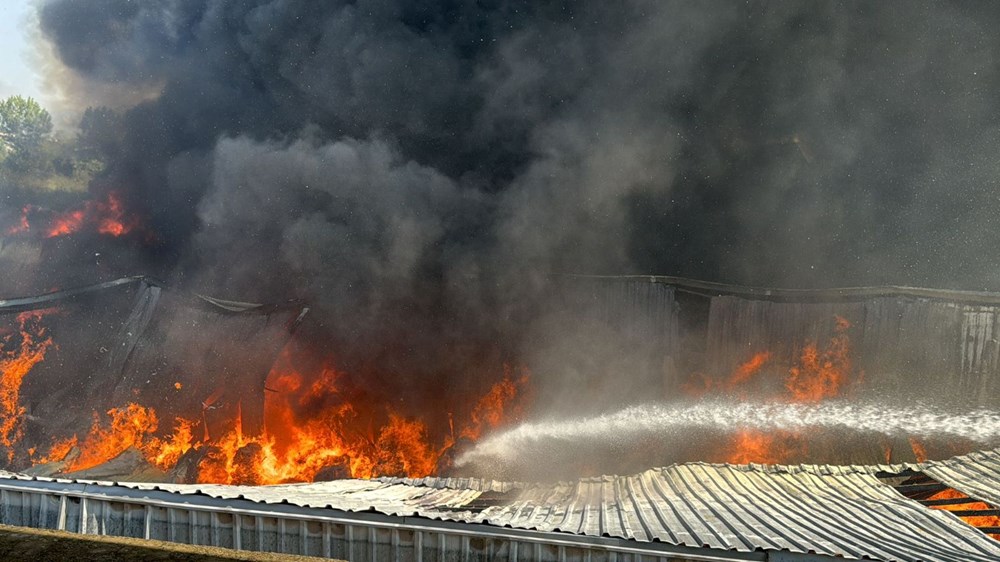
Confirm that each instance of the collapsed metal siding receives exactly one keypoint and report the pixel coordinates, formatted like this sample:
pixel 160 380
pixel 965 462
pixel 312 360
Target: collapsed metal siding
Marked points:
pixel 976 474
pixel 722 512
pixel 131 340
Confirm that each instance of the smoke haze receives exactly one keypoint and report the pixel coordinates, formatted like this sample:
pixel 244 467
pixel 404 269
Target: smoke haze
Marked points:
pixel 415 169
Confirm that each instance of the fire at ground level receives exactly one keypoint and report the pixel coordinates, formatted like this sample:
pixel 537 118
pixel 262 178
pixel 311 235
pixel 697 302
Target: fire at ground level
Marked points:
pixel 162 417
pixel 234 407
pixel 293 446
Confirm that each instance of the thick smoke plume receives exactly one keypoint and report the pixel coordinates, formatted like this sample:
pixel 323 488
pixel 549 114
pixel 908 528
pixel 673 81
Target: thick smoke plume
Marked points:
pixel 416 170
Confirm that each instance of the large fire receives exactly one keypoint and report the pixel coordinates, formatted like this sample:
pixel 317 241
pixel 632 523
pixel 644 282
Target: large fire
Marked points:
pixel 300 442
pixel 319 425
pixel 313 426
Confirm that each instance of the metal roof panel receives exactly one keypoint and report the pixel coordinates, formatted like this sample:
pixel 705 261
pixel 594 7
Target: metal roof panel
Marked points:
pixel 827 510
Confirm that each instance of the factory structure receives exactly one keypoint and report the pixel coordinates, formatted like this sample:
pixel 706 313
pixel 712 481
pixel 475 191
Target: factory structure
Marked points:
pixel 911 343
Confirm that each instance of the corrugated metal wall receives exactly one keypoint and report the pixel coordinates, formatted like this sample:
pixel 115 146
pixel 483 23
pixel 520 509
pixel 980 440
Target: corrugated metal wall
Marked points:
pixel 912 344
pixel 903 347
pixel 582 341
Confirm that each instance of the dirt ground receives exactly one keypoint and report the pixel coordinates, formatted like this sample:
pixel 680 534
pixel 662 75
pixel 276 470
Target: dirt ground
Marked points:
pixel 20 543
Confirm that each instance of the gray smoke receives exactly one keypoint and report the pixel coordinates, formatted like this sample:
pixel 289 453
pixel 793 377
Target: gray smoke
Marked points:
pixel 417 169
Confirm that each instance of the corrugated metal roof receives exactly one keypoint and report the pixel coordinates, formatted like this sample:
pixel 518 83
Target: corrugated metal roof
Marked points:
pixel 744 509
pixel 829 510
pixel 976 475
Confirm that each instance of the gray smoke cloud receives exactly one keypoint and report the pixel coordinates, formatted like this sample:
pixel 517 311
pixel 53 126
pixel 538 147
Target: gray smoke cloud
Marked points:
pixel 417 169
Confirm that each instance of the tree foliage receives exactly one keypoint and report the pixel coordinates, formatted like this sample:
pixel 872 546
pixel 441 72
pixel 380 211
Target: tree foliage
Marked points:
pixel 32 157
pixel 24 125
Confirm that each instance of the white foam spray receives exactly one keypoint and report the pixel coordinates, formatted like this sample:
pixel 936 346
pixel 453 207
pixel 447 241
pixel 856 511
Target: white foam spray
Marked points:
pixel 672 419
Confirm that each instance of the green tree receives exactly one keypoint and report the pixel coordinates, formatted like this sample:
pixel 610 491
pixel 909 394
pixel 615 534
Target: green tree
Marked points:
pixel 24 135
pixel 24 125
pixel 32 157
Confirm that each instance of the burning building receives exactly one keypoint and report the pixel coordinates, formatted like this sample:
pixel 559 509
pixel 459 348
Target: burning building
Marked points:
pixel 129 354
pixel 196 388
pixel 739 374
pixel 426 179
pixel 187 388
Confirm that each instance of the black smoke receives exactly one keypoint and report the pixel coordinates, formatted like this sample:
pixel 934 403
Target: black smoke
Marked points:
pixel 417 169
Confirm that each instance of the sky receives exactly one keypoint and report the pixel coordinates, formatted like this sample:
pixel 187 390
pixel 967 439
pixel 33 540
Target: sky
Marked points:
pixel 16 76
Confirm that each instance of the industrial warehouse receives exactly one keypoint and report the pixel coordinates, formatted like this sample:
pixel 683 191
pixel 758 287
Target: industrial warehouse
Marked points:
pixel 936 510
pixel 500 280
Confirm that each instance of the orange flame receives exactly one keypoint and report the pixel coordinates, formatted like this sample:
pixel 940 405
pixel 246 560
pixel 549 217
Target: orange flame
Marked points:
pixel 23 225
pixel 106 217
pixel 701 384
pixel 130 427
pixel 65 223
pixel 974 520
pixel 818 375
pixel 164 453
pixel 758 447
pixel 294 446
pixel 19 353
pixel 494 408
pixel 919 451
pixel 402 448
pixel 748 369
pixel 59 451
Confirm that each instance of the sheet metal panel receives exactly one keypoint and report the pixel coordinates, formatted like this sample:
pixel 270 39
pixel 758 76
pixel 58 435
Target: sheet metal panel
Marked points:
pixel 850 514
pixel 820 510
pixel 976 475
pixel 360 537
